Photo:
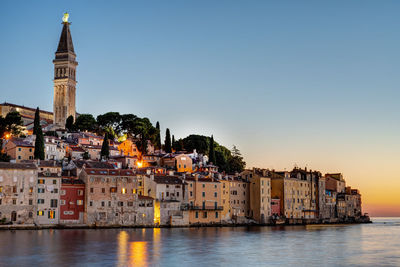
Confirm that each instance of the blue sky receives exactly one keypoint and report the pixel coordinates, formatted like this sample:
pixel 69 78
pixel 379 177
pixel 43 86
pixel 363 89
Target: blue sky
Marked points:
pixel 289 82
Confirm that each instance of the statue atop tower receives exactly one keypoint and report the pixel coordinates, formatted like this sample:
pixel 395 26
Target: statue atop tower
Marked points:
pixel 64 77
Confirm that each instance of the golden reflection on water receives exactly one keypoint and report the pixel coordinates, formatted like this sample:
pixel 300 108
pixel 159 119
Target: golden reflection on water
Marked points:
pixel 134 253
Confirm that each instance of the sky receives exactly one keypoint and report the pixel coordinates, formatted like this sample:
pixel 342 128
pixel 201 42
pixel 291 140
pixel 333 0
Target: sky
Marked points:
pixel 291 83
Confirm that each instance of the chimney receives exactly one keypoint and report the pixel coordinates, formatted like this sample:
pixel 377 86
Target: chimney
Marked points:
pixel 148 171
pixel 171 173
pixel 152 177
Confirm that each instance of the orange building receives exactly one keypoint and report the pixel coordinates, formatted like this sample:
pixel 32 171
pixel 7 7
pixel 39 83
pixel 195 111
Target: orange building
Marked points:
pixel 204 201
pixel 19 149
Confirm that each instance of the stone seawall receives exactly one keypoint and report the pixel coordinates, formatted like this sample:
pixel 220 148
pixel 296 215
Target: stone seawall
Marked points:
pixel 288 222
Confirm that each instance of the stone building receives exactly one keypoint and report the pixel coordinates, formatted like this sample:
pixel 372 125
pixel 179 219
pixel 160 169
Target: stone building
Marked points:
pixel 260 194
pixel 112 197
pixel 225 200
pixel 239 199
pixel 170 195
pixel 18 192
pixel 64 77
pixel 48 198
pixel 19 149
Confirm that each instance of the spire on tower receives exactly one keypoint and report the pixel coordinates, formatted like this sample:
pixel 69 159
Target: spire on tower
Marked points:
pixel 65 45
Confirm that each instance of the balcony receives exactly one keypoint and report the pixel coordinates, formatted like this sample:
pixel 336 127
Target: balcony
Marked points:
pixel 206 208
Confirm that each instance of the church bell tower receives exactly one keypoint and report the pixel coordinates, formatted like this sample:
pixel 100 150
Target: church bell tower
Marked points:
pixel 64 77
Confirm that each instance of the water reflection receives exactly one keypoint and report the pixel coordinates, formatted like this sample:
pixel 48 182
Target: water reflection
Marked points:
pixel 350 245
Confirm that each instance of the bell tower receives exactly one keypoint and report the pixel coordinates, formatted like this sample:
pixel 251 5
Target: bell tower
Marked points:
pixel 64 77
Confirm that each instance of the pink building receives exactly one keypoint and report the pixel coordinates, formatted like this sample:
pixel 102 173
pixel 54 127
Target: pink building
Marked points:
pixel 276 206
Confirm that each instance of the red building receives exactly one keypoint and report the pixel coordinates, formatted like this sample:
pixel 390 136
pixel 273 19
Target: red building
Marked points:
pixel 72 201
pixel 276 206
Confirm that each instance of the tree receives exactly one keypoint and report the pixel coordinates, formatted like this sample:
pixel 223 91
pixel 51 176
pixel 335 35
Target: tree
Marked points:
pixel 158 137
pixel 236 162
pixel 13 123
pixel 69 123
pixel 36 121
pixel 85 122
pixel 105 148
pixel 211 154
pixel 39 144
pixel 167 144
pixel 142 131
pixel 86 155
pixel 173 143
pixel 110 122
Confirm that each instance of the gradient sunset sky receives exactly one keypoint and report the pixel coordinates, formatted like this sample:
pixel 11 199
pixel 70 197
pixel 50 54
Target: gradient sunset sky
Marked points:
pixel 311 83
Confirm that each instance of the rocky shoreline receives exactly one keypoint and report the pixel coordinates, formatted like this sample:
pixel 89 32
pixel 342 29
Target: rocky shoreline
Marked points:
pixel 288 222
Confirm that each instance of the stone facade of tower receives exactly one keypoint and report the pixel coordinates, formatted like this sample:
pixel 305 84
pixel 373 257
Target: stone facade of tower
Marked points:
pixel 64 78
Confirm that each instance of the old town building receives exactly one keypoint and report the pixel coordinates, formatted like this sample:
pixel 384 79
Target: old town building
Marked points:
pixel 17 192
pixel 204 200
pixel 19 149
pixel 112 198
pixel 48 196
pixel 72 200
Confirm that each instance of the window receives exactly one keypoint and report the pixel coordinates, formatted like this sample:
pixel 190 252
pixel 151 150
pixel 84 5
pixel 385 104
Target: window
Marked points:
pixel 62 202
pixel 91 203
pixel 41 181
pixel 215 194
pixel 53 203
pixel 1 189
pixel 14 189
pixel 31 202
pixel 113 189
pixel 123 190
pixel 216 215
pixel 40 190
pixel 191 193
pixel 204 185
pixel 62 192
pixel 205 214
pixel 102 203
pixel 80 192
pixel 197 214
pixel 167 194
pixel 203 194
pixel 91 190
pixel 51 214
pixel 0 202
pixel 30 214
pixel 177 194
pixel 40 201
pixel 55 191
pixel 40 213
pixel 14 202
pixel 109 203
pixel 54 181
pixel 120 204
pixel 31 190
pixel 103 190
pixel 130 204
pixel 79 202
pixel 19 149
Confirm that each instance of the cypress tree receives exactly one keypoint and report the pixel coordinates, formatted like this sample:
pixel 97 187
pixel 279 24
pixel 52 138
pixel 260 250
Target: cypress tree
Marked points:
pixel 211 155
pixel 173 142
pixel 105 148
pixel 168 148
pixel 69 123
pixel 158 138
pixel 36 122
pixel 39 144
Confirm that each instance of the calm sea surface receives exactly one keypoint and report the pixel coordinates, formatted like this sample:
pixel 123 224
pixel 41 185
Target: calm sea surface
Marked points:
pixel 376 244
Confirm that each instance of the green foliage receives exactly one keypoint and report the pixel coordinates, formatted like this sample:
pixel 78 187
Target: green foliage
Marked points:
pixel 226 160
pixel 168 145
pixel 110 122
pixel 211 152
pixel 85 122
pixel 105 148
pixel 158 136
pixel 39 145
pixel 69 123
pixel 12 123
pixel 36 122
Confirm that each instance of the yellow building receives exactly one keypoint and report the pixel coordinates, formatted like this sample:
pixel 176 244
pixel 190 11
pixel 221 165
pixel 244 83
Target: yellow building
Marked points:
pixel 204 200
pixel 183 163
pixel 260 194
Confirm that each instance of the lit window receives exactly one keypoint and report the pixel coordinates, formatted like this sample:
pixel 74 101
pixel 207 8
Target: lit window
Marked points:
pixel 123 190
